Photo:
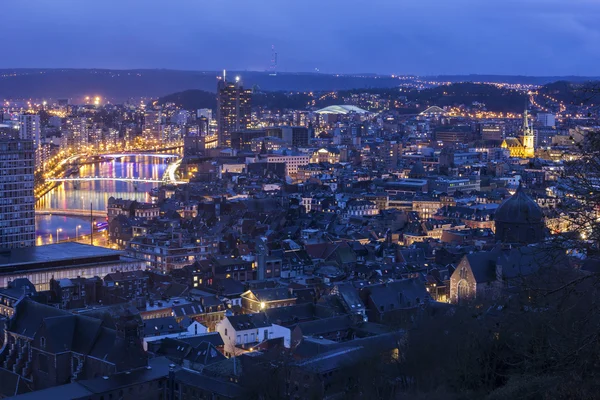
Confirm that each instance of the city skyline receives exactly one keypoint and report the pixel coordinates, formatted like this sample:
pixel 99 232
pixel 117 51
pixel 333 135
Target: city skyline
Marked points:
pixel 425 38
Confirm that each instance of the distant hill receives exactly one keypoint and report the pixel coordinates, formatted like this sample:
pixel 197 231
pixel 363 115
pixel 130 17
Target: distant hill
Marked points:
pixel 495 99
pixel 194 99
pixel 120 85
pixel 514 79
pixel 573 93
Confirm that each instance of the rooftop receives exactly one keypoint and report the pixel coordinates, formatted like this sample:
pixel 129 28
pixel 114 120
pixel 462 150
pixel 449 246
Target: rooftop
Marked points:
pixel 54 252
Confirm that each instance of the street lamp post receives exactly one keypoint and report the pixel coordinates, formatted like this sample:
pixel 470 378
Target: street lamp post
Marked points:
pixel 77 232
pixel 58 230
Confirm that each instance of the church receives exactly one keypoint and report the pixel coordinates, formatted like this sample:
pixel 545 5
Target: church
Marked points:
pixel 522 146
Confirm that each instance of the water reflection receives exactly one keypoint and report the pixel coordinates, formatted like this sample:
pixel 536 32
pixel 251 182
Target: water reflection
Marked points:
pixel 82 195
pixel 47 227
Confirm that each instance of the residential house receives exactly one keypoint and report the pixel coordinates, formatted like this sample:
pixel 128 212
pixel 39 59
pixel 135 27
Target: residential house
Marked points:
pixel 258 300
pixel 242 333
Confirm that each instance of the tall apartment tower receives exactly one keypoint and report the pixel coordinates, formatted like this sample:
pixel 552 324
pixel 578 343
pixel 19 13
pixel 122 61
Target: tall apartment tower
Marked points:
pixel 153 125
pixel 233 108
pixel 17 215
pixel 30 129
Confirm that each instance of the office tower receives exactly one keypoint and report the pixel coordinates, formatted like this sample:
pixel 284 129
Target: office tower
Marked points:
pixel 543 136
pixel 17 216
pixel 547 120
pixel 493 132
pixel 452 135
pixel 233 108
pixel 296 136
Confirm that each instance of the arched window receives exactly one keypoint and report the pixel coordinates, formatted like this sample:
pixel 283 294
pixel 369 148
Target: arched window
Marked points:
pixel 42 342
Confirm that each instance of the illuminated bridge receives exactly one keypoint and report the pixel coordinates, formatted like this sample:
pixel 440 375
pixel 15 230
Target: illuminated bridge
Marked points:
pixel 166 180
pixel 156 155
pixel 105 179
pixel 71 212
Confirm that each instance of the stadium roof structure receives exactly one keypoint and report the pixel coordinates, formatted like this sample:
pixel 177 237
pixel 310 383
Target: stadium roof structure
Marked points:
pixel 342 109
pixel 434 110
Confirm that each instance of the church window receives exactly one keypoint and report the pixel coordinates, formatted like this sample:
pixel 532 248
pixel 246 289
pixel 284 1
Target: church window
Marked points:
pixel 42 342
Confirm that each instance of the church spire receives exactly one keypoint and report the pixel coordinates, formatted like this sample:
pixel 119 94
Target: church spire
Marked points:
pixel 527 130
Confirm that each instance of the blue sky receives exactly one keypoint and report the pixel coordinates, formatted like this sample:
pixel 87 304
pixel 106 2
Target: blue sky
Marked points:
pixel 529 37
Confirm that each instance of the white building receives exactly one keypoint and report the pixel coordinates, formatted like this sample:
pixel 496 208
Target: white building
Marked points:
pixel 291 162
pixel 242 333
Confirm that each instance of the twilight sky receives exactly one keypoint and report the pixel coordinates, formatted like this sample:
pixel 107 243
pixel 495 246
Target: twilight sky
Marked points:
pixel 529 37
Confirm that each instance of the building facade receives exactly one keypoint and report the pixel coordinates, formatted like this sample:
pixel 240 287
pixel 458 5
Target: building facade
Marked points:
pixel 233 109
pixel 17 215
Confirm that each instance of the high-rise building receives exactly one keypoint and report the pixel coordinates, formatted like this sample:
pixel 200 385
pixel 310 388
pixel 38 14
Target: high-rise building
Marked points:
pixel 153 125
pixel 78 134
pixel 30 129
pixel 17 215
pixel 233 108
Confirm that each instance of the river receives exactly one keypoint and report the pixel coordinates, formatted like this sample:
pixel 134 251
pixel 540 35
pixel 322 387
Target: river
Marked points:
pixel 82 195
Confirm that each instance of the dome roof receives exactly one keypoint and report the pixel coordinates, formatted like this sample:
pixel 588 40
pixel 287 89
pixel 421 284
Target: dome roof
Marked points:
pixel 519 209
pixel 341 109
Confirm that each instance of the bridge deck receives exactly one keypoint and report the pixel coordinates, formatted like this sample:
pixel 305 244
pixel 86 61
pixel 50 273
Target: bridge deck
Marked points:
pixel 71 212
pixel 100 178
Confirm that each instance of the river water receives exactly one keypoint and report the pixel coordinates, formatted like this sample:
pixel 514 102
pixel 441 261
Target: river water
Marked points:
pixel 82 195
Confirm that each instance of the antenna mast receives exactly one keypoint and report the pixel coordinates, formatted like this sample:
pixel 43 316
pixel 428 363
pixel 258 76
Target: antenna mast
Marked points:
pixel 273 66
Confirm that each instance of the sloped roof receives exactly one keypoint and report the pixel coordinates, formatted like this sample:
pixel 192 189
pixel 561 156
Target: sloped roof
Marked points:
pixel 29 316
pixel 272 294
pixel 326 325
pixel 512 142
pixel 483 265
pixel 248 321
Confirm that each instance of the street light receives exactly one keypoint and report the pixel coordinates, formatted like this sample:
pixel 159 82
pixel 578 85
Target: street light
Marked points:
pixel 58 230
pixel 77 232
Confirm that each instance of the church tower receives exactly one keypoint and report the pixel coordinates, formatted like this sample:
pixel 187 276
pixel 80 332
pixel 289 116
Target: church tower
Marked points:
pixel 528 138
